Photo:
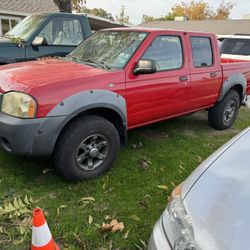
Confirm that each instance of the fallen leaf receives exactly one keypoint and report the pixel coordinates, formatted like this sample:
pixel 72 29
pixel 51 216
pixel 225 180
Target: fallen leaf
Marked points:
pixel 52 195
pixel 134 217
pixel 117 226
pixel 90 199
pixel 125 236
pixel 62 206
pixel 144 163
pixel 97 225
pixel 105 227
pixel 114 226
pixel 25 225
pixel 198 159
pixel 80 242
pixel 163 187
pixel 90 220
pixel 47 170
pixel 108 217
pixel 137 146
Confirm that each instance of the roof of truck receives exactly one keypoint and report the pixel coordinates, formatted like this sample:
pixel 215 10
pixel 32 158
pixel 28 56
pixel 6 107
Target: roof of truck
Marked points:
pixel 156 30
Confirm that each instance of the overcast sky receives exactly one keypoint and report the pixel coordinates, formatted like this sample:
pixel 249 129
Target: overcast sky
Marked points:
pixel 136 8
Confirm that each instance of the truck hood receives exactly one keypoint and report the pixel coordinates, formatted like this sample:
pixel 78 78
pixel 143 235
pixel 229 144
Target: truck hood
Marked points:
pixel 6 42
pixel 51 81
pixel 29 76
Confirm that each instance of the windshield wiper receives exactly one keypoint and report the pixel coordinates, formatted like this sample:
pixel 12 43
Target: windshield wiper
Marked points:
pixel 92 62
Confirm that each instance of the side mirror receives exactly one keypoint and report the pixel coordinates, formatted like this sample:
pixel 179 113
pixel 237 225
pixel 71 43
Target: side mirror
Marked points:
pixel 39 40
pixel 146 66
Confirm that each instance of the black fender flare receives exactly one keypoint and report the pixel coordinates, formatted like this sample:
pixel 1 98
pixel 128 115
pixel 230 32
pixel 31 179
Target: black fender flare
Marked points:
pixel 83 101
pixel 233 80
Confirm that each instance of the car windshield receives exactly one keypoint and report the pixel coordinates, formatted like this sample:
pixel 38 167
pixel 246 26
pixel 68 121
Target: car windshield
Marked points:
pixel 26 27
pixel 235 46
pixel 112 49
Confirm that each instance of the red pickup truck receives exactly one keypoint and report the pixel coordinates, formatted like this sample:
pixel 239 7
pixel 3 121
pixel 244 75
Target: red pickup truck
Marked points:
pixel 79 108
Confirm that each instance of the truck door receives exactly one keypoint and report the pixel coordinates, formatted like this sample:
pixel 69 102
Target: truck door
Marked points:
pixel 62 35
pixel 205 74
pixel 152 97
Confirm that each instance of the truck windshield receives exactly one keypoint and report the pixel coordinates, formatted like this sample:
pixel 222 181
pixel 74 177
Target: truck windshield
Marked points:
pixel 235 46
pixel 26 27
pixel 112 49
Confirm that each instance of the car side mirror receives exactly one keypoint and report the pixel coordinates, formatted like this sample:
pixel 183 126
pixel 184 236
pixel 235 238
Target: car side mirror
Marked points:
pixel 39 40
pixel 145 66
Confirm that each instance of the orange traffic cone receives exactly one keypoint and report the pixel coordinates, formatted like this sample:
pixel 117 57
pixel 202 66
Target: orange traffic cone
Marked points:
pixel 41 236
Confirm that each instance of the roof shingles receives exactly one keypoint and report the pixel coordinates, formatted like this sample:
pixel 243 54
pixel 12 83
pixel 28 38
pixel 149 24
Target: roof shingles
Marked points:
pixel 27 6
pixel 219 27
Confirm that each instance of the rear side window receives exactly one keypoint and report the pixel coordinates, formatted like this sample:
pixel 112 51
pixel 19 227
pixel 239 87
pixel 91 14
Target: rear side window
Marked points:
pixel 166 51
pixel 201 51
pixel 236 46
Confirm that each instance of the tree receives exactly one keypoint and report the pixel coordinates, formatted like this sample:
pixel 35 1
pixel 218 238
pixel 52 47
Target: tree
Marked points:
pixel 122 18
pixel 69 5
pixel 224 11
pixel 64 5
pixel 98 12
pixel 200 10
pixel 77 5
pixel 146 18
pixel 196 10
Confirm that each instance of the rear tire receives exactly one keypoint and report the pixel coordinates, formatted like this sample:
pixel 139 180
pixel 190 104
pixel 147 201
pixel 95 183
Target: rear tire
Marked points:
pixel 87 148
pixel 224 113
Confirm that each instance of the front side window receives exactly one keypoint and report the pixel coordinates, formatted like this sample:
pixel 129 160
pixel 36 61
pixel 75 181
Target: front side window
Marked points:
pixel 201 51
pixel 111 48
pixel 62 31
pixel 166 51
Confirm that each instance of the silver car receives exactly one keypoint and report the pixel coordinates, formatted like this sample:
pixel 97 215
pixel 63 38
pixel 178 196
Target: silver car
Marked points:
pixel 210 210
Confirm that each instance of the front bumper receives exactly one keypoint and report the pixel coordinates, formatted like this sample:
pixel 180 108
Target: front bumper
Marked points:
pixel 158 239
pixel 29 136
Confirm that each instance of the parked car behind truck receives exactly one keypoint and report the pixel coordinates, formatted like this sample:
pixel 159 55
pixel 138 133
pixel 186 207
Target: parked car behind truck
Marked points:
pixel 40 35
pixel 79 109
pixel 210 209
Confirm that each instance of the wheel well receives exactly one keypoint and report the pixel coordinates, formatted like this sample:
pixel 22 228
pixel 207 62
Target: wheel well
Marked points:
pixel 108 114
pixel 238 88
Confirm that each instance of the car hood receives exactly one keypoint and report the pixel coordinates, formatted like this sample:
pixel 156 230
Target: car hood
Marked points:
pixel 218 197
pixel 29 76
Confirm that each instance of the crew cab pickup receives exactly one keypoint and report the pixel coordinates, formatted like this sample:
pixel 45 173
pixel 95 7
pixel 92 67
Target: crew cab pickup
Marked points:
pixel 41 35
pixel 79 108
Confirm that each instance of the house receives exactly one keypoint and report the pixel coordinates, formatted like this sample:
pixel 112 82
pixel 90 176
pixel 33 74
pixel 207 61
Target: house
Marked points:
pixel 219 27
pixel 13 11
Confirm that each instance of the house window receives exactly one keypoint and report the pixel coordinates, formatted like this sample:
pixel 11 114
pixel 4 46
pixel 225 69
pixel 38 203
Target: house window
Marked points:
pixel 7 23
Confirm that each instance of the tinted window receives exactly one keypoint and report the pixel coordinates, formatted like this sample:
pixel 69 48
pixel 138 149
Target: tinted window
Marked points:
pixel 166 51
pixel 62 31
pixel 236 46
pixel 201 51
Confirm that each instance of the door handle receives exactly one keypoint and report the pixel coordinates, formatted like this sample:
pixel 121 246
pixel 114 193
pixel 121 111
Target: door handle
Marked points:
pixel 213 74
pixel 183 78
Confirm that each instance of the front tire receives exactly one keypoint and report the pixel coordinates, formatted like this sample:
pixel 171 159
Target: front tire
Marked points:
pixel 224 113
pixel 87 148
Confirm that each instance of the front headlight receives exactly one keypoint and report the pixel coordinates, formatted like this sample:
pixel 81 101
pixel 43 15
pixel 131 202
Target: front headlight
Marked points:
pixel 19 105
pixel 178 227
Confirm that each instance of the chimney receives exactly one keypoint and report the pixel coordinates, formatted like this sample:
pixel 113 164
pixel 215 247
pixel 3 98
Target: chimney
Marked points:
pixel 180 18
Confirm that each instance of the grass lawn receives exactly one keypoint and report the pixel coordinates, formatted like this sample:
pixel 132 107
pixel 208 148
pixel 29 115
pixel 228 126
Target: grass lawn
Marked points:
pixel 168 153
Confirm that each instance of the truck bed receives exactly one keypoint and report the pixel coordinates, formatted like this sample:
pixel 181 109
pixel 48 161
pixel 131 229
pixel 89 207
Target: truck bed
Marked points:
pixel 230 66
